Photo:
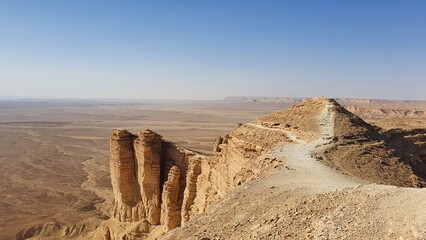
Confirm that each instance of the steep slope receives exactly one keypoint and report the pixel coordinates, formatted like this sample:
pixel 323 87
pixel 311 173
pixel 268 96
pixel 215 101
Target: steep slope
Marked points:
pixel 363 151
pixel 299 119
pixel 358 148
pixel 268 212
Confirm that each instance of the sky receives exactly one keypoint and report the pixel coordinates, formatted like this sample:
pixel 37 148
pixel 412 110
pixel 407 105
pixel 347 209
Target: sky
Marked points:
pixel 213 49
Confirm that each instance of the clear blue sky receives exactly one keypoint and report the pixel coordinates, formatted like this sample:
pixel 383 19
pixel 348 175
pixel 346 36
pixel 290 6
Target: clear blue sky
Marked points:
pixel 213 49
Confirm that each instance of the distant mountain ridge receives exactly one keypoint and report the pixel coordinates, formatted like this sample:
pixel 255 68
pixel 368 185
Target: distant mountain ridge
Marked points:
pixel 364 108
pixel 344 101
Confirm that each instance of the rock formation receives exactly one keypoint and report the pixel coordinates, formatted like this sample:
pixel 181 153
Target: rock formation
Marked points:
pixel 152 180
pixel 148 159
pixel 159 185
pixel 170 217
pixel 216 147
pixel 194 170
pixel 127 199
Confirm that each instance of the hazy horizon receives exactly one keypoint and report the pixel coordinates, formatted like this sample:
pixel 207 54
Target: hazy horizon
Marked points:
pixel 210 50
pixel 41 98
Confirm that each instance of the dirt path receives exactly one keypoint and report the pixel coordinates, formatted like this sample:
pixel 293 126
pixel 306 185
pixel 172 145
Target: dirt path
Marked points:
pixel 289 134
pixel 302 170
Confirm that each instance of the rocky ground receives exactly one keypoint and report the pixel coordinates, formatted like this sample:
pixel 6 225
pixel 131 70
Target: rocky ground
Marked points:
pixel 258 211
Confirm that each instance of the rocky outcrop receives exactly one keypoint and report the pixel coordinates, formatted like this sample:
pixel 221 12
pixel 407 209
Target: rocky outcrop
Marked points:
pixel 216 146
pixel 148 160
pixel 127 198
pixel 170 216
pixel 194 170
pixel 152 180
pixel 157 183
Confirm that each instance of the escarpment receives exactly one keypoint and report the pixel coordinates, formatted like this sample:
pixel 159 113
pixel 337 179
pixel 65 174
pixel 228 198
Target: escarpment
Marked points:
pixel 159 186
pixel 170 217
pixel 194 170
pixel 147 148
pixel 127 198
pixel 147 182
pixel 242 157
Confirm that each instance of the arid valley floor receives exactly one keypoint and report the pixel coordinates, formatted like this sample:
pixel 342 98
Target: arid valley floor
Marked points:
pixel 55 167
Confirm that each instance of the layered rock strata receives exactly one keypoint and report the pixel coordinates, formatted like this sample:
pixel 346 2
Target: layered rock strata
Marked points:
pixel 194 170
pixel 170 217
pixel 157 183
pixel 147 147
pixel 127 198
pixel 149 179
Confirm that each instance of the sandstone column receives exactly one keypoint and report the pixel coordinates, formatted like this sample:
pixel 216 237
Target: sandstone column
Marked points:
pixel 194 169
pixel 148 156
pixel 217 143
pixel 170 215
pixel 123 179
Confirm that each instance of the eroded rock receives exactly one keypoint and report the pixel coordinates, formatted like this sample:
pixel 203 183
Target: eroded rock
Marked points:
pixel 194 170
pixel 148 157
pixel 127 196
pixel 170 215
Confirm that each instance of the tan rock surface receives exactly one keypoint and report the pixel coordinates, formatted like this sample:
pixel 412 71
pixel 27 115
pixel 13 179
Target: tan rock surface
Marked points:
pixel 148 148
pixel 127 197
pixel 366 152
pixel 170 212
pixel 216 146
pixel 194 170
pixel 149 179
pixel 300 119
pixel 366 212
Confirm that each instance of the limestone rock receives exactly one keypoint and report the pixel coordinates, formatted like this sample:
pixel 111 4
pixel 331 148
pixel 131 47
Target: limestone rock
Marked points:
pixel 148 157
pixel 170 216
pixel 127 198
pixel 157 182
pixel 153 180
pixel 194 170
pixel 217 143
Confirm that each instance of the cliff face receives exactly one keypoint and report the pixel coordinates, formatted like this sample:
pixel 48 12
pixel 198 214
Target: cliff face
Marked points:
pixel 149 179
pixel 170 217
pixel 127 198
pixel 159 186
pixel 147 149
pixel 241 156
